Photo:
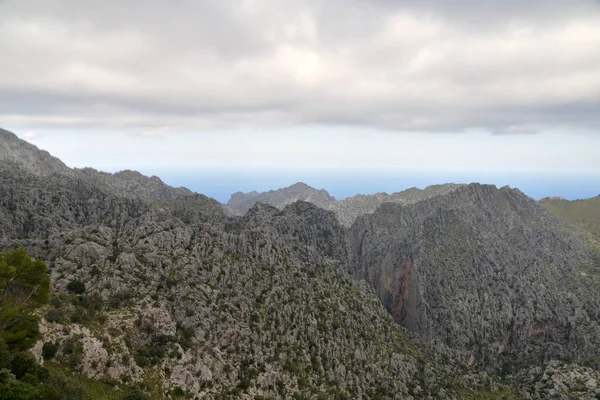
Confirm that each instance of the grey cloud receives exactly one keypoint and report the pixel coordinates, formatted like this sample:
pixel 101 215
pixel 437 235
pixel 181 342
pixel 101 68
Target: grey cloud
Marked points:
pixel 505 66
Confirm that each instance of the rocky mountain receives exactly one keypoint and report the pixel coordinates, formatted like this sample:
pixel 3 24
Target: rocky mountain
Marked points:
pixel 179 299
pixel 429 297
pixel 347 210
pixel 19 154
pixel 487 271
pixel 584 213
pixel 351 208
pixel 280 198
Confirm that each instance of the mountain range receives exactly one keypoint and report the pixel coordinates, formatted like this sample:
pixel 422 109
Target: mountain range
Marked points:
pixel 347 210
pixel 453 291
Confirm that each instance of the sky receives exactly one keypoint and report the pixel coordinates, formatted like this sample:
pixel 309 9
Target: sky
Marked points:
pixel 356 96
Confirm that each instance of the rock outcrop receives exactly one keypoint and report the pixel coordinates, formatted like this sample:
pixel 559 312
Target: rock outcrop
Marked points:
pixel 259 305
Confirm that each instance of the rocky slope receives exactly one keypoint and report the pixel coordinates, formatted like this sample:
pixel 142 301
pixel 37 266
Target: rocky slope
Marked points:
pixel 183 299
pixel 180 299
pixel 584 213
pixel 487 271
pixel 351 208
pixel 19 154
pixel 347 210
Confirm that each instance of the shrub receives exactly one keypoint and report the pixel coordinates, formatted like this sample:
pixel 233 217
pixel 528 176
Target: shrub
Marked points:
pixel 24 364
pixel 72 351
pixel 76 286
pixel 49 350
pixel 55 316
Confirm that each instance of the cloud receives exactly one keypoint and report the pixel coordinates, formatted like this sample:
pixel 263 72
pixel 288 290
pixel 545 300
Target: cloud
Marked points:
pixel 505 67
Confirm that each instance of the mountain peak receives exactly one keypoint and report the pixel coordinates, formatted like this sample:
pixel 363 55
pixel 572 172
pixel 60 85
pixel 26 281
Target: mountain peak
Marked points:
pixel 20 155
pixel 300 186
pixel 280 198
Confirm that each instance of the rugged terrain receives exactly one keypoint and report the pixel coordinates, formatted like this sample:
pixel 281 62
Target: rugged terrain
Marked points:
pixel 280 198
pixel 429 297
pixel 487 271
pixel 18 154
pixel 179 298
pixel 347 210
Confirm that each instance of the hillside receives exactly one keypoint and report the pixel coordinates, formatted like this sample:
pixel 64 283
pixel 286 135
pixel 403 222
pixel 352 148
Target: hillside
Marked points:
pixel 23 156
pixel 180 298
pixel 487 271
pixel 583 213
pixel 457 292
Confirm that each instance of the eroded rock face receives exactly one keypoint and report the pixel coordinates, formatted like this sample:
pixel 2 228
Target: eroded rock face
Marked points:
pixel 484 270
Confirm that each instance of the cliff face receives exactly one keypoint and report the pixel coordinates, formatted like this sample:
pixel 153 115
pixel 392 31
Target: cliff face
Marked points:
pixel 486 271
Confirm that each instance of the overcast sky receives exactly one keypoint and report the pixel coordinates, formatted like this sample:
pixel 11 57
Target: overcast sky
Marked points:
pixel 459 85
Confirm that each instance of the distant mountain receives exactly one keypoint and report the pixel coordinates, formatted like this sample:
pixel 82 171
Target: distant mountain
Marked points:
pixel 280 198
pixel 19 154
pixel 347 210
pixel 583 213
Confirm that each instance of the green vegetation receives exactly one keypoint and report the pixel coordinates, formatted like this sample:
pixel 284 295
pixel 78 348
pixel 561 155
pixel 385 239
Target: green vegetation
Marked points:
pixel 49 350
pixel 582 213
pixel 76 286
pixel 24 287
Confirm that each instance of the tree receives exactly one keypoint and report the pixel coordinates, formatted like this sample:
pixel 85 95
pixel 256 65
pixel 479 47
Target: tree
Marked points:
pixel 24 286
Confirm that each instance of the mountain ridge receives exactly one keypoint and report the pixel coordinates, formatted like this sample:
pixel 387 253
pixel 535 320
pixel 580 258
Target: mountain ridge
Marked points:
pixel 18 153
pixel 347 209
pixel 427 297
